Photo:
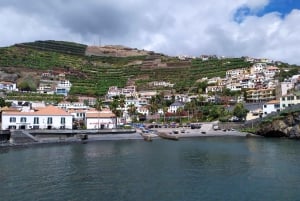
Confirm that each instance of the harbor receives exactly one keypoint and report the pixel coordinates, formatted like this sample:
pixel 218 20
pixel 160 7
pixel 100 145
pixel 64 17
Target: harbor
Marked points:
pixel 32 137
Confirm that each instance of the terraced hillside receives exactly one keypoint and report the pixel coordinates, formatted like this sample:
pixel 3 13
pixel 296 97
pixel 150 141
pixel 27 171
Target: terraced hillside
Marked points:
pixel 92 75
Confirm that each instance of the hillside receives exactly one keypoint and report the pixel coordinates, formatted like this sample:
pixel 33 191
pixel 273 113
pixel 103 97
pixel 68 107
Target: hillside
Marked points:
pixel 92 75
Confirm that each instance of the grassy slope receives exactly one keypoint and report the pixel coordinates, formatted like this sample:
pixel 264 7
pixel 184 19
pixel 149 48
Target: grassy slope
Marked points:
pixel 93 75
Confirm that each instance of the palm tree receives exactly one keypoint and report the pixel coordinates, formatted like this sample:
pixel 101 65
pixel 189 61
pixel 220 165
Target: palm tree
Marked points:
pixel 131 110
pixel 114 108
pixel 99 104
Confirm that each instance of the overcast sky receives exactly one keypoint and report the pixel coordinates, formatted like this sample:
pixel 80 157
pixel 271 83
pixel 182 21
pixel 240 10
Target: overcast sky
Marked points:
pixel 257 28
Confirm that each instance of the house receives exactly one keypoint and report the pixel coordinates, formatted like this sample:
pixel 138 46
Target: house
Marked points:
pixel 214 89
pixel 236 73
pixel 285 87
pixel 258 68
pixel 271 106
pixel 113 91
pixel 289 100
pixel 234 87
pixel 49 117
pixel 8 86
pixel 143 110
pixel 100 119
pixel 45 89
pixel 63 87
pixel 90 101
pixel 175 106
pixel 271 71
pixel 147 94
pixel 129 91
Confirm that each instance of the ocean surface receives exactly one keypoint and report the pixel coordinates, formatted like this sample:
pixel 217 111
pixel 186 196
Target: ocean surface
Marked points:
pixel 206 168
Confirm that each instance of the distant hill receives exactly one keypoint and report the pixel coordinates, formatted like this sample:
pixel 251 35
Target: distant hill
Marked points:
pixel 114 51
pixel 93 69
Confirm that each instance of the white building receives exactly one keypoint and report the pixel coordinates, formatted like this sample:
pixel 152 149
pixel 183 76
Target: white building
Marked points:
pixel 271 106
pixel 74 105
pixel 236 73
pixel 8 86
pixel 63 87
pixel 100 120
pixel 129 91
pixel 45 89
pixel 136 102
pixel 285 87
pixel 175 106
pixel 161 84
pixel 143 110
pixel 147 94
pixel 214 89
pixel 234 87
pixel 258 68
pixel 271 71
pixel 113 91
pixel 49 117
pixel 289 100
pixel 247 83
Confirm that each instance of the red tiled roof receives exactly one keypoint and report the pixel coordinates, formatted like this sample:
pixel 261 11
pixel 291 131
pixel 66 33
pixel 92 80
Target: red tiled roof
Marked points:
pixel 46 111
pixel 273 102
pixel 100 115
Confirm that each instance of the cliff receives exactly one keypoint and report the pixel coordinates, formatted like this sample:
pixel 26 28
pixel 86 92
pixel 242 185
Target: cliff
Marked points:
pixel 285 125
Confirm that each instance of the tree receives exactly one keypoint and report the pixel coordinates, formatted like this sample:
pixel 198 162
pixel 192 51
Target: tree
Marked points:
pixel 2 102
pixel 131 110
pixel 72 98
pixel 240 111
pixel 99 104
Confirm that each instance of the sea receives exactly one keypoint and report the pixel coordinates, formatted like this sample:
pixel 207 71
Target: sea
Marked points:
pixel 193 169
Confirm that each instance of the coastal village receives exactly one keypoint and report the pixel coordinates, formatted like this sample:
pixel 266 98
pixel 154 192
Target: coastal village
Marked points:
pixel 256 85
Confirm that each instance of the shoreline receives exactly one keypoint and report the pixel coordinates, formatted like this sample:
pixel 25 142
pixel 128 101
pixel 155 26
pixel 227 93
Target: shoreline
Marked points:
pixel 205 131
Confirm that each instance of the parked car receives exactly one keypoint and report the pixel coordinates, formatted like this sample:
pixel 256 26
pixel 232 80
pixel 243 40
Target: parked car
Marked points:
pixel 195 126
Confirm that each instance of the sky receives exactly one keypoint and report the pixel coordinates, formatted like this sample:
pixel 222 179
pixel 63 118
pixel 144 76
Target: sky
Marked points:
pixel 232 28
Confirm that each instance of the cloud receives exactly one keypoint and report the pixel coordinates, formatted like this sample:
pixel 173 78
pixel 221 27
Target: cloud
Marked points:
pixel 195 27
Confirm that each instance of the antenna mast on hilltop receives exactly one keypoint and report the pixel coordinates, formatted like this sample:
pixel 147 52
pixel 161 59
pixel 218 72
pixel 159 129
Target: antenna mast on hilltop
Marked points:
pixel 99 41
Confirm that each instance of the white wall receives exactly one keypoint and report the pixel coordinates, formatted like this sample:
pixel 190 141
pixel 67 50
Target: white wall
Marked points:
pixel 269 108
pixel 95 123
pixel 56 122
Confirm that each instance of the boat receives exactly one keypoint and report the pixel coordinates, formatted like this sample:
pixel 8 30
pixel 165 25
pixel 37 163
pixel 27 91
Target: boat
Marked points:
pixel 146 137
pixel 168 136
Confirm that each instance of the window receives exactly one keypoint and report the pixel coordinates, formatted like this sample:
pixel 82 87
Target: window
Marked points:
pixel 63 120
pixel 12 119
pixel 283 98
pixel 265 106
pixel 35 127
pixel 12 127
pixel 49 120
pixel 283 105
pixel 36 120
pixel 23 119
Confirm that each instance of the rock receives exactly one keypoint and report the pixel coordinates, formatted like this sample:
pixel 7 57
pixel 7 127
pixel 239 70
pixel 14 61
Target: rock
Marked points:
pixel 289 126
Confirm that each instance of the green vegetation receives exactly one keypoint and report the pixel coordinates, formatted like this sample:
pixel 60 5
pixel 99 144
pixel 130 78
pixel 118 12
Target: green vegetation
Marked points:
pixel 93 75
pixel 34 97
pixel 57 46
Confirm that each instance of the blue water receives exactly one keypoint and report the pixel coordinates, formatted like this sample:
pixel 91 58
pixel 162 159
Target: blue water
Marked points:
pixel 210 168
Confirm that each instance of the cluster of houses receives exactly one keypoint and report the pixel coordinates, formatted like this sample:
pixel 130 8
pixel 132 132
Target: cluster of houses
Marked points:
pixel 258 82
pixel 54 83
